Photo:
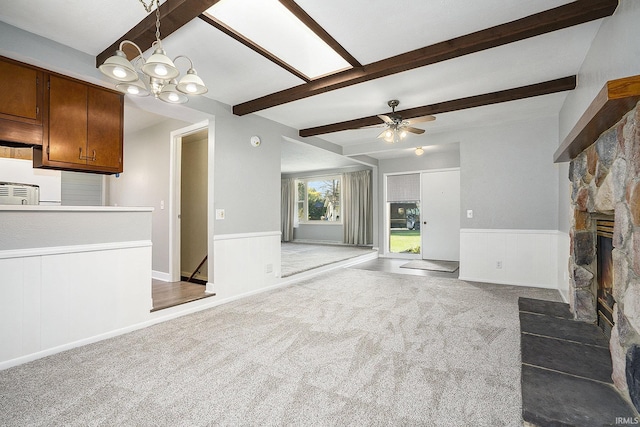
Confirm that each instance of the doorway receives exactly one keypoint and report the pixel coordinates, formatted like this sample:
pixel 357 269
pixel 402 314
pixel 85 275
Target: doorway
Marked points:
pixel 193 208
pixel 198 187
pixel 440 228
pixel 402 196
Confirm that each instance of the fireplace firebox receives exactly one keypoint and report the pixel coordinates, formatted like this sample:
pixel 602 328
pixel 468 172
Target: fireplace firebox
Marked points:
pixel 604 257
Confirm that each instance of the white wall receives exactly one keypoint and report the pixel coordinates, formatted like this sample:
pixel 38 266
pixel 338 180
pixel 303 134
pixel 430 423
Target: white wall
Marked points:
pixel 22 172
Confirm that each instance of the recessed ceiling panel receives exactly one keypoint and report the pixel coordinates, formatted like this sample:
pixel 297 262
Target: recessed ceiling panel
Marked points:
pixel 231 71
pixel 273 27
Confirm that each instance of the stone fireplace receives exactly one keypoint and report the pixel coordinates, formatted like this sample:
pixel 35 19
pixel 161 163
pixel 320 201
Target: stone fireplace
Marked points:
pixel 605 186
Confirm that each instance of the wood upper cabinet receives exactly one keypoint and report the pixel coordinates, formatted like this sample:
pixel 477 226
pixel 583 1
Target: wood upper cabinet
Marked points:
pixel 105 128
pixel 83 127
pixel 20 102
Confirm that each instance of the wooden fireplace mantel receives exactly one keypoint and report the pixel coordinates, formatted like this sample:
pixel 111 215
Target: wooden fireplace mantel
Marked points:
pixel 616 99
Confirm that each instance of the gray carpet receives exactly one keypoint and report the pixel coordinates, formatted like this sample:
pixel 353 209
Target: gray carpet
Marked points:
pixel 301 257
pixel 352 347
pixel 433 265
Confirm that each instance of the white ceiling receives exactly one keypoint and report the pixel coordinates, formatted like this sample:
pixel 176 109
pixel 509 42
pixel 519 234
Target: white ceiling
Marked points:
pixel 370 30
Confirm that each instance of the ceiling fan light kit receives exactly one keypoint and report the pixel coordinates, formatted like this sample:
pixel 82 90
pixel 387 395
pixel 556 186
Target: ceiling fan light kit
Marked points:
pixel 156 75
pixel 397 128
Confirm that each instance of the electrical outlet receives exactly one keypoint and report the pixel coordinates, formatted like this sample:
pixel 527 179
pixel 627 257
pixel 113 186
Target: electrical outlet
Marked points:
pixel 499 265
pixel 469 213
pixel 219 213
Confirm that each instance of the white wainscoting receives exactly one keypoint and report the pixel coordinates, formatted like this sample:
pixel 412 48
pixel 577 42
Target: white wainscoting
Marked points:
pixel 564 241
pixel 527 257
pixel 245 263
pixel 57 300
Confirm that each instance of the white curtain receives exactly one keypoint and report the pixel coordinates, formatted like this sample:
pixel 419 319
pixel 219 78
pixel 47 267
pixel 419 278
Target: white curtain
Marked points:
pixel 287 208
pixel 358 208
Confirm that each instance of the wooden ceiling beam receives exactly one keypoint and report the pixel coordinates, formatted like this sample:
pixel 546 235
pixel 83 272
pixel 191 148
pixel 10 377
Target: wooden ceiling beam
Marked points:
pixel 311 23
pixel 173 15
pixel 538 89
pixel 575 13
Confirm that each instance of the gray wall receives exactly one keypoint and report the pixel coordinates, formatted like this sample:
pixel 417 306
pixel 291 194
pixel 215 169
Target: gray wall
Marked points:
pixel 508 178
pixel 145 182
pixel 27 229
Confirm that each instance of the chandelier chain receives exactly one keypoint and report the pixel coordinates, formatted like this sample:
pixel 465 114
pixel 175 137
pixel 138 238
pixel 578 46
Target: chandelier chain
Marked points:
pixel 149 8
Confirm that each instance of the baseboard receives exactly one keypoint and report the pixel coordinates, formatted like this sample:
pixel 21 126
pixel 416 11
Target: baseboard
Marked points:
pixel 321 242
pixel 511 283
pixel 160 275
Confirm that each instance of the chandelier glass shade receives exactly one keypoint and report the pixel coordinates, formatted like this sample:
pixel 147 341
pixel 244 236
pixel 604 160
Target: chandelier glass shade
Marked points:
pixel 157 75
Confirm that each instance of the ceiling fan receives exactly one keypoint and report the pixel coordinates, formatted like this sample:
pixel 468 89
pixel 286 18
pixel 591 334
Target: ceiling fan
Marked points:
pixel 397 128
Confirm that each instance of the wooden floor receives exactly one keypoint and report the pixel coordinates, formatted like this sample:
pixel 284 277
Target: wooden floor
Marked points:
pixel 170 294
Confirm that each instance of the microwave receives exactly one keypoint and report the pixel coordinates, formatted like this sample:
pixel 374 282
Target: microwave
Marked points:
pixel 19 194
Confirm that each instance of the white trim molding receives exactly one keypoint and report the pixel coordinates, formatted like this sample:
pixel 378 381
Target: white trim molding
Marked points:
pixel 510 257
pixel 59 250
pixel 247 235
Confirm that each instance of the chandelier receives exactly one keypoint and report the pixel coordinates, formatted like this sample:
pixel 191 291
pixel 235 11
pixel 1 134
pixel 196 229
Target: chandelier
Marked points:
pixel 157 75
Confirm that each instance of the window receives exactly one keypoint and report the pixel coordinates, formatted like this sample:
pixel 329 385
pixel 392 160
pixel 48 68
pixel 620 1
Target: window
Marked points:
pixel 319 199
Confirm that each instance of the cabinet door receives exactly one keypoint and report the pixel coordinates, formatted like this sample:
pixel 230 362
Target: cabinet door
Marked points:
pixel 67 121
pixel 104 133
pixel 19 89
pixel 20 103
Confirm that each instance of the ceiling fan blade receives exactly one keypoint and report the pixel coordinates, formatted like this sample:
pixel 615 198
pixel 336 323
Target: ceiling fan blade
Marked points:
pixel 385 118
pixel 382 125
pixel 413 130
pixel 382 134
pixel 421 119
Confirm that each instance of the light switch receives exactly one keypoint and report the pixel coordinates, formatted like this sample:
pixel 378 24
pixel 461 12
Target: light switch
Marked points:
pixel 469 213
pixel 219 213
pixel 161 204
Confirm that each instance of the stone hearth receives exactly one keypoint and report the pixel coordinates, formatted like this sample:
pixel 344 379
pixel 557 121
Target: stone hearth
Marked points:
pixel 605 179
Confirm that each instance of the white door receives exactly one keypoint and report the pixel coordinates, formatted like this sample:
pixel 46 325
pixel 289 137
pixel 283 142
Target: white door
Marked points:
pixel 440 215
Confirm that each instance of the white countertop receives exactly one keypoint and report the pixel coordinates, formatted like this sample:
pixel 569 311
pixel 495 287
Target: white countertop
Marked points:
pixel 49 208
